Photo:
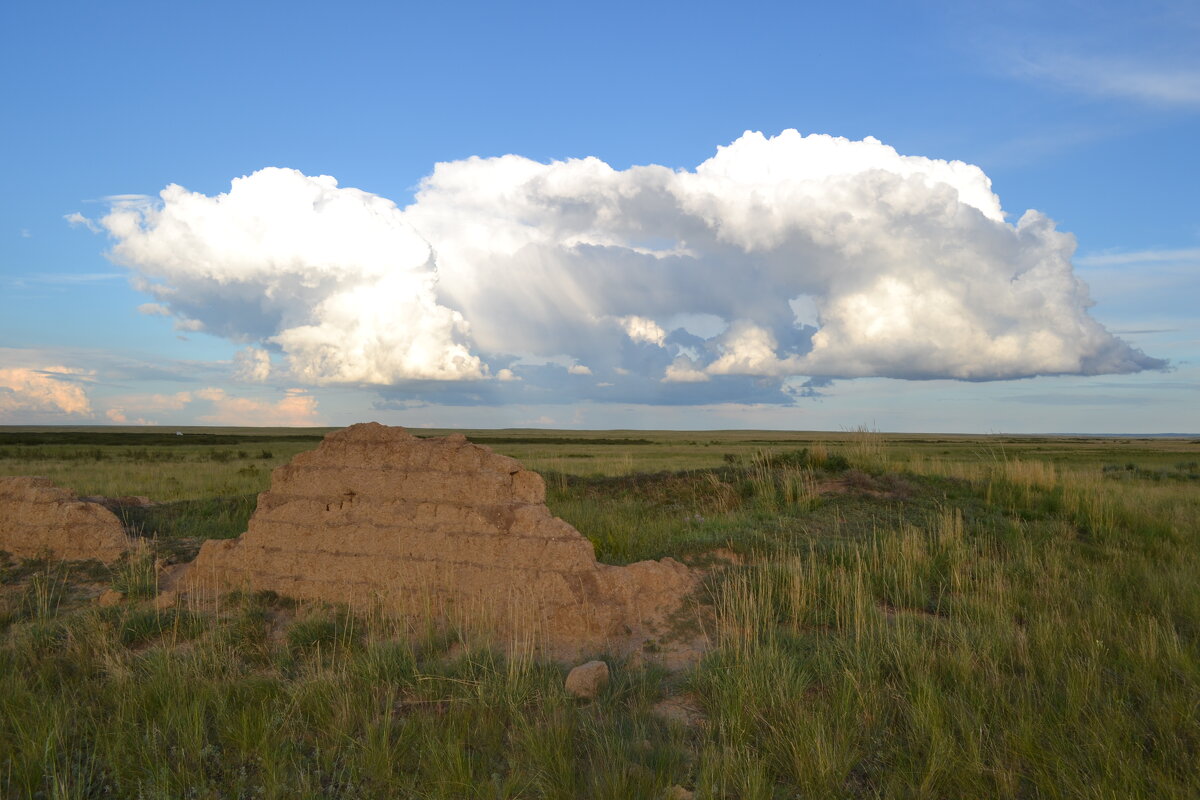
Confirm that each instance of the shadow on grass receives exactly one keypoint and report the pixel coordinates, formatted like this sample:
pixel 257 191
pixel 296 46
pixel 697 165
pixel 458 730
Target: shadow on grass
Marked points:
pixel 686 514
pixel 181 527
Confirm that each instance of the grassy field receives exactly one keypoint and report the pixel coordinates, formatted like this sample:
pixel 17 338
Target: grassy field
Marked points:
pixel 903 616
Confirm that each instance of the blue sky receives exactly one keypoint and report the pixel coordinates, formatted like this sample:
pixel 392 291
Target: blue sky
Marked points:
pixel 546 290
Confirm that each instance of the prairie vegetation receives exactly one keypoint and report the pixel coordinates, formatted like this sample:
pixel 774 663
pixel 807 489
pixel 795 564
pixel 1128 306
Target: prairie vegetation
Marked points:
pixel 892 616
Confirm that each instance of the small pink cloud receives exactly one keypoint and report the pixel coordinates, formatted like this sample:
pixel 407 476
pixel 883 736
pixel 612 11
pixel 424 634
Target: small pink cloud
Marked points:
pixel 296 409
pixel 120 407
pixel 117 415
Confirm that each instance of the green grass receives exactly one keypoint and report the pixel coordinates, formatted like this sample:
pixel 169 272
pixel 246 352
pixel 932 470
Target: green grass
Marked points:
pixel 135 575
pixel 951 617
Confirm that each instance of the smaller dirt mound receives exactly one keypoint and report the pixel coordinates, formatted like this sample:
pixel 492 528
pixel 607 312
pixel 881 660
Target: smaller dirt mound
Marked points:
pixel 37 517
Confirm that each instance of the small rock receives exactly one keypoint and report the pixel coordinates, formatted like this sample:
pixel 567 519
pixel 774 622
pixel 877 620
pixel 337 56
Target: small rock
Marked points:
pixel 128 501
pixel 588 680
pixel 166 599
pixel 677 792
pixel 110 597
pixel 639 773
pixel 681 710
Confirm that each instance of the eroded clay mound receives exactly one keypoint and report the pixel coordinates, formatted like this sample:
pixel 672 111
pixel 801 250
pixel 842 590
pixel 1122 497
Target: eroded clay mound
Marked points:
pixel 440 528
pixel 37 517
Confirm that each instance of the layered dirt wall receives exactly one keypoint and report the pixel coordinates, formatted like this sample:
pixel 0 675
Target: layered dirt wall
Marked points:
pixel 39 518
pixel 440 529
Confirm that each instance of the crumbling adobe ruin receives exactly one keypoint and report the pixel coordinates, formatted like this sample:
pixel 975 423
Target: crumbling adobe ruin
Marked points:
pixel 38 518
pixel 439 529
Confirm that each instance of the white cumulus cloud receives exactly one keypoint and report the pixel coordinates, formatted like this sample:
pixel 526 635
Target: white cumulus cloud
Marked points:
pixel 50 391
pixel 747 349
pixel 252 364
pixel 812 255
pixel 334 276
pixel 683 370
pixel 640 329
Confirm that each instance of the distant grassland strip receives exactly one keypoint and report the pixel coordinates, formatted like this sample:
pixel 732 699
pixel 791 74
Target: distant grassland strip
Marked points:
pixel 548 440
pixel 157 439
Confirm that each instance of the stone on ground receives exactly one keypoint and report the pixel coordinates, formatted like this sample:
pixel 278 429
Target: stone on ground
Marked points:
pixel 587 680
pixel 110 597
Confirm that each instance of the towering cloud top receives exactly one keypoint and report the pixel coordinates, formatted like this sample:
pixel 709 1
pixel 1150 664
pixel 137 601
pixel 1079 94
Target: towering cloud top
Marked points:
pixel 785 256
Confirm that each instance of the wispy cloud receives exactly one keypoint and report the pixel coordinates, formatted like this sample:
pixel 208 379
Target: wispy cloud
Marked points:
pixel 111 368
pixel 1088 399
pixel 76 277
pixel 1157 287
pixel 64 278
pixel 1145 331
pixel 1115 259
pixel 75 220
pixel 1125 77
pixel 125 200
pixel 1142 52
pixel 1044 143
